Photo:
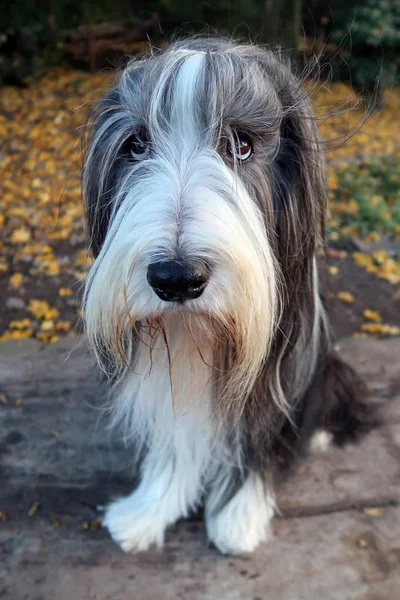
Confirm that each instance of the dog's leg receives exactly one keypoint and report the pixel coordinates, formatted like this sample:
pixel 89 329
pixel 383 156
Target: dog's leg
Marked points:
pixel 243 522
pixel 168 490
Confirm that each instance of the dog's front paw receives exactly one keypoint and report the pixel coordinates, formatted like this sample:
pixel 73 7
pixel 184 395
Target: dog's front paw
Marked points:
pixel 133 526
pixel 236 537
pixel 244 522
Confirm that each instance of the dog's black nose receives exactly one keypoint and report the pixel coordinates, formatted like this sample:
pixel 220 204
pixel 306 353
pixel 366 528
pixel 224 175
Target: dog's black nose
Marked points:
pixel 177 281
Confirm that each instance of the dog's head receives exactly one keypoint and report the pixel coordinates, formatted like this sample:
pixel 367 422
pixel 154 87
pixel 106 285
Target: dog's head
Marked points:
pixel 203 186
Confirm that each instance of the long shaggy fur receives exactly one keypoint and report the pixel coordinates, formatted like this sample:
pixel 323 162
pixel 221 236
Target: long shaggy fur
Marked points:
pixel 213 391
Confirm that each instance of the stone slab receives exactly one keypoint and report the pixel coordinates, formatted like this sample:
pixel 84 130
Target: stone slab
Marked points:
pixel 56 455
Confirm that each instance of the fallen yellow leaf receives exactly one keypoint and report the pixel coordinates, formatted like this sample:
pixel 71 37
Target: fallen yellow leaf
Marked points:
pixel 23 324
pixel 65 292
pixel 346 297
pixel 373 511
pixel 372 315
pixel 16 335
pixel 16 281
pixel 20 235
pixel 381 328
pixel 47 325
pixel 63 326
pixel 40 309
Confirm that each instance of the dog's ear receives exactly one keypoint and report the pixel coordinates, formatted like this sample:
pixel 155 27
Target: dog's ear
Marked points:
pixel 299 188
pixel 299 202
pixel 109 130
pixel 97 177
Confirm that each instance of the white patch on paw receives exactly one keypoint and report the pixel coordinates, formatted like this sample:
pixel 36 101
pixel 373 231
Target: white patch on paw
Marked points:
pixel 321 441
pixel 167 492
pixel 244 522
pixel 133 525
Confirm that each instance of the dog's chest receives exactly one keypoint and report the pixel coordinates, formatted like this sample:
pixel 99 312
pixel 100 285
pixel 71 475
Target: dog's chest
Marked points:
pixel 170 394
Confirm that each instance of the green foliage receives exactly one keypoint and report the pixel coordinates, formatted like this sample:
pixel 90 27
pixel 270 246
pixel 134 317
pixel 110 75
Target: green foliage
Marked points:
pixel 367 195
pixel 376 23
pixel 370 31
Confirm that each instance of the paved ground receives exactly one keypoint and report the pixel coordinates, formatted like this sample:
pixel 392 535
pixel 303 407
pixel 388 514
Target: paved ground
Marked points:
pixel 338 537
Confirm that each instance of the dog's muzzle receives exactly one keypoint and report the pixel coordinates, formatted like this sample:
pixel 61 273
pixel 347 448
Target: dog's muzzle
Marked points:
pixel 177 281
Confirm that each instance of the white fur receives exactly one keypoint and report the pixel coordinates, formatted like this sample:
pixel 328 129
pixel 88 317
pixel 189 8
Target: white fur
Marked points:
pixel 321 441
pixel 169 489
pixel 244 522
pixel 172 418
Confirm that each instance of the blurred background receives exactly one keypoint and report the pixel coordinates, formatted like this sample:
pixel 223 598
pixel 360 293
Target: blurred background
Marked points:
pixel 57 57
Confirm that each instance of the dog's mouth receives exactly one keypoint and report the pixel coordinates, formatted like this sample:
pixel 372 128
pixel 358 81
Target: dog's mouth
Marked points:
pixel 198 324
pixel 160 332
pixel 181 307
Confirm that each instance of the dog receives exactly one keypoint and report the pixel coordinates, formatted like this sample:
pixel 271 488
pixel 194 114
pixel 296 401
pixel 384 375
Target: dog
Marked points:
pixel 204 191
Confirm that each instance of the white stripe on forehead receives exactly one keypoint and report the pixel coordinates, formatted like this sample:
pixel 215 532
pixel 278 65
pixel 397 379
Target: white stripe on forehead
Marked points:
pixel 186 51
pixel 185 67
pixel 184 117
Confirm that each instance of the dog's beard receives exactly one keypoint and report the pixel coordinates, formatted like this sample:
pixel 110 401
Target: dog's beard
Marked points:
pixel 200 210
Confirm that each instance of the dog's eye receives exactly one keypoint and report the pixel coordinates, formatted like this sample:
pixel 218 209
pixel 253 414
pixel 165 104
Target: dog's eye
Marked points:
pixel 139 146
pixel 241 148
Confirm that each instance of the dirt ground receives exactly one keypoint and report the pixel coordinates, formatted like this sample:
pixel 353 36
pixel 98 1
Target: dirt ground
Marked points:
pixel 368 290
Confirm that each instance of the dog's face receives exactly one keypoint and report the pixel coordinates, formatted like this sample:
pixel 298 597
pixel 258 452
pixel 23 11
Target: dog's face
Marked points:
pixel 202 186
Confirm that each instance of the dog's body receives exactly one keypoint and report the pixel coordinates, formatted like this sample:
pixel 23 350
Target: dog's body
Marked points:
pixel 204 187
